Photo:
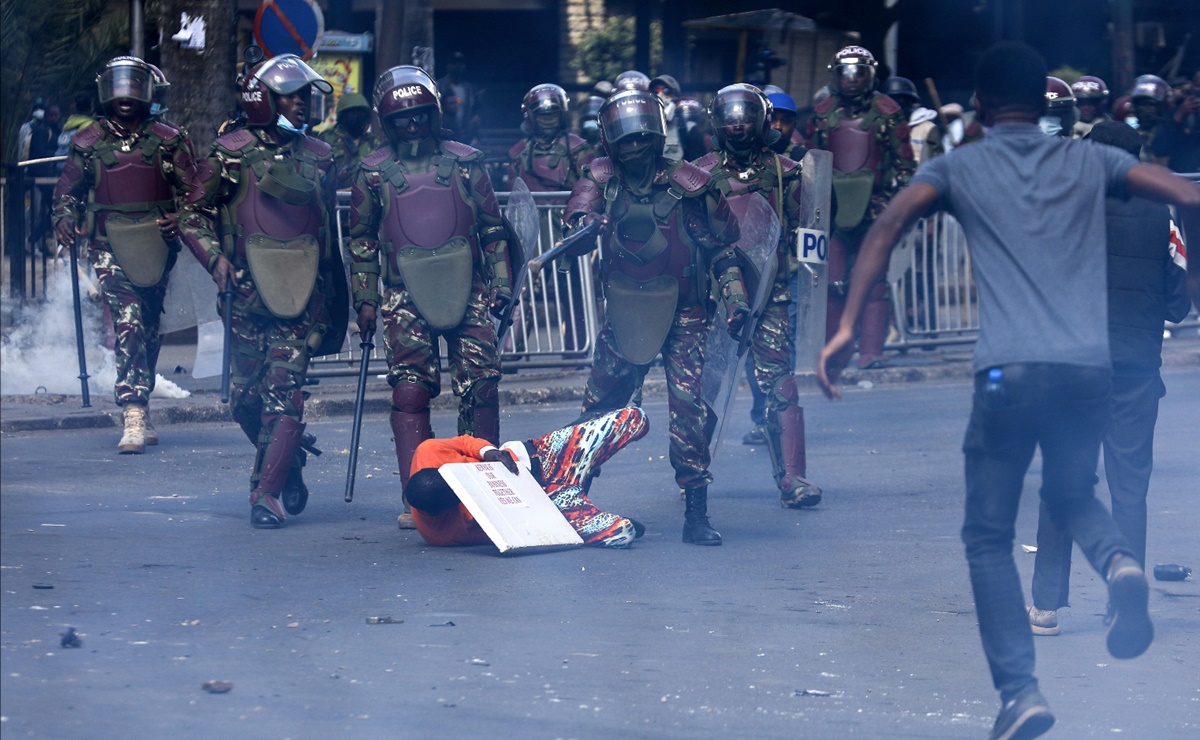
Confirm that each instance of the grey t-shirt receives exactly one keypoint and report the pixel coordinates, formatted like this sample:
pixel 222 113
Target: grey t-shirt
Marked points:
pixel 1032 209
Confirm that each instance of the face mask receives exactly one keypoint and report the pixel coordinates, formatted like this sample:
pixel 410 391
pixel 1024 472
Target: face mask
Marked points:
pixel 286 125
pixel 668 108
pixel 1050 126
pixel 1132 121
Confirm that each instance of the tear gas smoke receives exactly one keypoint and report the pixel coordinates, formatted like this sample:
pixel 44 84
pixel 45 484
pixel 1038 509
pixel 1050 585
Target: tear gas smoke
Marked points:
pixel 40 352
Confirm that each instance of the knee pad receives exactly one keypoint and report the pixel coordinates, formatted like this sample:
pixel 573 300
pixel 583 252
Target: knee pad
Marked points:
pixel 410 398
pixel 785 390
pixel 486 392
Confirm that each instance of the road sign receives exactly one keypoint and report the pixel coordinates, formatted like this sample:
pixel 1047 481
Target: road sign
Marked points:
pixel 289 27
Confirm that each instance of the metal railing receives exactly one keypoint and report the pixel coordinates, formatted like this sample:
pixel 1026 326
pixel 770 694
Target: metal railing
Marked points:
pixel 559 313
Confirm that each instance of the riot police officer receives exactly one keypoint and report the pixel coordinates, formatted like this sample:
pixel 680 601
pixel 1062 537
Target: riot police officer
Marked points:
pixel 550 158
pixel 1091 95
pixel 745 167
pixel 1060 116
pixel 872 159
pixel 668 229
pixel 351 138
pixel 427 225
pixel 259 217
pixel 120 187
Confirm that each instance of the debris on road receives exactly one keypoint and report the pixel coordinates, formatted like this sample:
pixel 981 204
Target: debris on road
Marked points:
pixel 384 620
pixel 217 687
pixel 70 639
pixel 44 586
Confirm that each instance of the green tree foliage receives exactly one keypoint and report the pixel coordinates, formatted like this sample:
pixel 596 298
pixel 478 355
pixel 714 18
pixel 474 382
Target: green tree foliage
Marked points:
pixel 54 49
pixel 607 50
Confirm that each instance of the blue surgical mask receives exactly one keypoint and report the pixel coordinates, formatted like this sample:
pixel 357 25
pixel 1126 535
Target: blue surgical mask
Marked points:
pixel 1132 121
pixel 286 125
pixel 1050 126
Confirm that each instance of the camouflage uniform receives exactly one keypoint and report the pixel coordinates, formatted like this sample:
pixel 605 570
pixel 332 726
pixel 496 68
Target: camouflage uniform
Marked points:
pixel 453 176
pixel 269 354
pixel 772 352
pixel 550 166
pixel 348 151
pixel 160 163
pixel 869 140
pixel 702 224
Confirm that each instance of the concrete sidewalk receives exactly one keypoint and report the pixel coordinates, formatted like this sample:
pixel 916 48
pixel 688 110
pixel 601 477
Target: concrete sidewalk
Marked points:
pixel 332 397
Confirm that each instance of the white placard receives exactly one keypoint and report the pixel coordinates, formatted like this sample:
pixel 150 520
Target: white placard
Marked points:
pixel 513 510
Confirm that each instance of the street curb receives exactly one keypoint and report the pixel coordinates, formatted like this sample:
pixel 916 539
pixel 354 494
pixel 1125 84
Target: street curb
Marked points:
pixel 204 408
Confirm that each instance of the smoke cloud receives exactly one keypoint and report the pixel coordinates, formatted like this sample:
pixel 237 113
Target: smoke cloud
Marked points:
pixel 39 356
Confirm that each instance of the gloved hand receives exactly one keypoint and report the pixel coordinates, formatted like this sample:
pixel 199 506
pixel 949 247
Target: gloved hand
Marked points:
pixel 505 458
pixel 738 314
pixel 498 300
pixel 366 319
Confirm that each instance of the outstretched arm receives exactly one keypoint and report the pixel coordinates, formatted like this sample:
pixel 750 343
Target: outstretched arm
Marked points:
pixel 911 203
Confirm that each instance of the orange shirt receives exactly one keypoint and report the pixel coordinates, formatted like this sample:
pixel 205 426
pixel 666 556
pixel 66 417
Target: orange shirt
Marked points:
pixel 455 526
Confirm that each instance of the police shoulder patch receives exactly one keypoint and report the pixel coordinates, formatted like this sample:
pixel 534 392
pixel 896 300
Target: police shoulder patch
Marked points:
pixel 690 177
pixel 885 105
pixel 708 161
pixel 515 150
pixel 601 169
pixel 377 157
pixel 235 141
pixel 461 152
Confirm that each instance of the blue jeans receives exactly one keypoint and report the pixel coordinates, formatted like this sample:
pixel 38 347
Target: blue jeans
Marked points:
pixel 1063 409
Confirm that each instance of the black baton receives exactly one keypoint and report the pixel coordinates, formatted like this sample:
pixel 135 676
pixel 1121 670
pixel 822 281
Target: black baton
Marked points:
pixel 226 371
pixel 367 347
pixel 83 373
pixel 552 254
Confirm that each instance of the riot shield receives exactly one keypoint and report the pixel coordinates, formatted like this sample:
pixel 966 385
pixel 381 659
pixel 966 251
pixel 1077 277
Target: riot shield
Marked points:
pixel 191 296
pixel 812 249
pixel 521 218
pixel 760 230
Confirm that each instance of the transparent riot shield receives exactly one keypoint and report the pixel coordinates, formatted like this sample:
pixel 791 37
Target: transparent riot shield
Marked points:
pixel 521 218
pixel 810 286
pixel 191 296
pixel 723 354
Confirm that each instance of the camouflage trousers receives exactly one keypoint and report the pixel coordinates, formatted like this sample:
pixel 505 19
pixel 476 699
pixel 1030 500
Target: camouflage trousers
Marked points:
pixel 269 359
pixel 771 352
pixel 615 381
pixel 136 313
pixel 414 357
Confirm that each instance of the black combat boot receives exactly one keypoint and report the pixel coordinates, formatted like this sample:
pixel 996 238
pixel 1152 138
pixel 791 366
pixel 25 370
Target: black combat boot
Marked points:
pixel 696 528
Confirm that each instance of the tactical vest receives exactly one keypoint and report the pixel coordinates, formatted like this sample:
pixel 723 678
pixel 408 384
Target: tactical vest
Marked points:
pixel 652 267
pixel 429 232
pixel 857 149
pixel 275 223
pixel 771 182
pixel 545 171
pixel 129 195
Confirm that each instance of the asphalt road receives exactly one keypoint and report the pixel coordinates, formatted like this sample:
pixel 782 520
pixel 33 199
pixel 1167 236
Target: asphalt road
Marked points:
pixel 851 619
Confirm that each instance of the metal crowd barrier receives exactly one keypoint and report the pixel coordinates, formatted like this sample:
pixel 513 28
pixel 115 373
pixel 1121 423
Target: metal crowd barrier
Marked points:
pixel 932 291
